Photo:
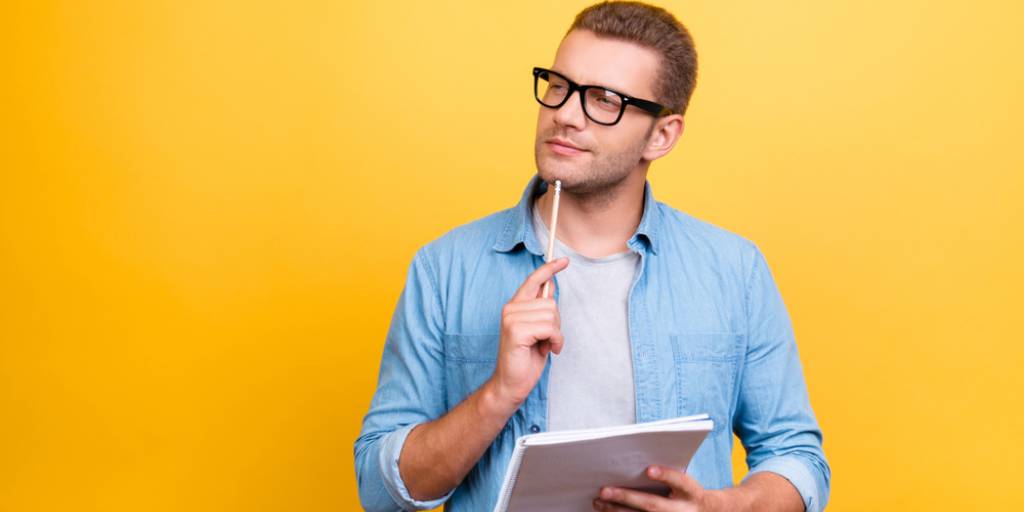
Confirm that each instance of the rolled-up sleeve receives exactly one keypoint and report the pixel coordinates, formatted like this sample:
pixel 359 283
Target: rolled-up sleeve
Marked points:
pixel 774 419
pixel 408 392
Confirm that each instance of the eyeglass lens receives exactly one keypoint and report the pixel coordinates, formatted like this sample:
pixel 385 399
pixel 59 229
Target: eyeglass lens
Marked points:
pixel 601 105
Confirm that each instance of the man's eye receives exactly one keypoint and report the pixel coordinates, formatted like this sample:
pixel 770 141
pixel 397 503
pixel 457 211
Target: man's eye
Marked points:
pixel 557 86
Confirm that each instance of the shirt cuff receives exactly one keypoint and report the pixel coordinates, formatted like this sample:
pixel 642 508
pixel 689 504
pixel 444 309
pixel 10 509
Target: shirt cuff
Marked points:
pixel 390 448
pixel 796 470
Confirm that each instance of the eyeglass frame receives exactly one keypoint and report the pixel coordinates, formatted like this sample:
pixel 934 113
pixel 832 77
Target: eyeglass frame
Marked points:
pixel 651 107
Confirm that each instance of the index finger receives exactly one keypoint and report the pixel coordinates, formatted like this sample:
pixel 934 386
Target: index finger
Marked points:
pixel 533 282
pixel 679 481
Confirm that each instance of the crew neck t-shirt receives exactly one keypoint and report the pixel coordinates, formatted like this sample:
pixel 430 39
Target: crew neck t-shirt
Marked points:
pixel 591 382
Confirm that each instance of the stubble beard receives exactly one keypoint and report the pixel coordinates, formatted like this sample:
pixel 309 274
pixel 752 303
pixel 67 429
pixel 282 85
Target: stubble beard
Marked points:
pixel 599 179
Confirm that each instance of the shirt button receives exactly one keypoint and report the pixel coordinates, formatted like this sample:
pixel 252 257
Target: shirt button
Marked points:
pixel 534 429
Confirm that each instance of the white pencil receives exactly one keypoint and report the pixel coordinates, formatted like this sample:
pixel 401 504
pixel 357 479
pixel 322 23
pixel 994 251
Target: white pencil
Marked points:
pixel 551 234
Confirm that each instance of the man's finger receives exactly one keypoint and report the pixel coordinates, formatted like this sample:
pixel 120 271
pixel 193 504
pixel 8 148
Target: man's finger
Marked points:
pixel 551 288
pixel 555 343
pixel 529 305
pixel 544 347
pixel 551 344
pixel 636 499
pixel 532 315
pixel 683 485
pixel 607 506
pixel 531 286
pixel 528 334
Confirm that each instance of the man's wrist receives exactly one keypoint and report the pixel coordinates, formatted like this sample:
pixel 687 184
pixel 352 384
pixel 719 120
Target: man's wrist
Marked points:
pixel 493 404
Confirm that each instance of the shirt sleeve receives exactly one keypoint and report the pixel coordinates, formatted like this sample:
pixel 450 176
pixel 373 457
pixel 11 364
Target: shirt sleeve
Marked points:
pixel 774 419
pixel 409 392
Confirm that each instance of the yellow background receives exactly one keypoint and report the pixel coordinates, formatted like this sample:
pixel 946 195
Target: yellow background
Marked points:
pixel 207 210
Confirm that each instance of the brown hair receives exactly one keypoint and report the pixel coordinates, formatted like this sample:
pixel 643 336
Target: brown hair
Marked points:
pixel 654 28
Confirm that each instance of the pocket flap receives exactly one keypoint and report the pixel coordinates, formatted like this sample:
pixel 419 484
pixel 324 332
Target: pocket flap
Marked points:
pixel 707 346
pixel 472 348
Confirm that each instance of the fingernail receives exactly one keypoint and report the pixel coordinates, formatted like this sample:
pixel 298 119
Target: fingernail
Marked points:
pixel 606 493
pixel 654 471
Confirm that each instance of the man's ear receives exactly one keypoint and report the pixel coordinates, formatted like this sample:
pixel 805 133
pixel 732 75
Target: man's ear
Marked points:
pixel 664 136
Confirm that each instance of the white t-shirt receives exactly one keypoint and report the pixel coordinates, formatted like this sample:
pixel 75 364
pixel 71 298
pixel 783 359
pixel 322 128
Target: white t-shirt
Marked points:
pixel 591 382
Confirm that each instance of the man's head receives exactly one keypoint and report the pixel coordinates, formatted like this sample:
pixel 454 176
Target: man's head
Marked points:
pixel 632 48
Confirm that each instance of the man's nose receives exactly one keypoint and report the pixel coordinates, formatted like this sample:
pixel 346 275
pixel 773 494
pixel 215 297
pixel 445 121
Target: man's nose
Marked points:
pixel 571 112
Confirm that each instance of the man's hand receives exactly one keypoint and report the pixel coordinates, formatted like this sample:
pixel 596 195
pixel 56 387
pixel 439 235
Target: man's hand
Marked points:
pixel 764 491
pixel 687 495
pixel 530 328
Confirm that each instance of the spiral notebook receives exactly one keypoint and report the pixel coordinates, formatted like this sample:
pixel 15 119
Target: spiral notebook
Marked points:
pixel 564 470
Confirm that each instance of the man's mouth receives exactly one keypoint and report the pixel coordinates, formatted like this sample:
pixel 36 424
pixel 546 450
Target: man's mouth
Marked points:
pixel 564 147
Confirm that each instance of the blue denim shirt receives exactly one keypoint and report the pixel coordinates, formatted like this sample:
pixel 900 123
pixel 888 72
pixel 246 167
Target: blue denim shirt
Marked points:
pixel 708 329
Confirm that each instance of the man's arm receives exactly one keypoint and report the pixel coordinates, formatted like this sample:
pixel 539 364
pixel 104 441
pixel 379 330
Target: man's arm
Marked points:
pixel 413 355
pixel 411 454
pixel 762 492
pixel 774 419
pixel 439 454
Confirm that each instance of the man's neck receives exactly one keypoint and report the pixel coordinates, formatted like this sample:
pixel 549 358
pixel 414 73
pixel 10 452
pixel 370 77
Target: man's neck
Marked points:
pixel 599 224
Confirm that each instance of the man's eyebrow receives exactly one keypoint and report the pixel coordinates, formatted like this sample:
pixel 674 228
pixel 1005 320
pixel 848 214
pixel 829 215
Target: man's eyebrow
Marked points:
pixel 563 73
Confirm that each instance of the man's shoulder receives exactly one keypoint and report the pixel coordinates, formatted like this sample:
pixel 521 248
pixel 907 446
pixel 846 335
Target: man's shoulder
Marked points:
pixel 470 240
pixel 687 236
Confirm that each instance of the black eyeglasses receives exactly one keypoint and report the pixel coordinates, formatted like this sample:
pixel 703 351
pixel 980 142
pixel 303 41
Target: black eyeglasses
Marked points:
pixel 601 104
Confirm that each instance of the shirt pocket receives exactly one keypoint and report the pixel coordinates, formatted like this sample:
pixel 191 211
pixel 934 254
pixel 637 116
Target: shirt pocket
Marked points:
pixel 469 361
pixel 706 370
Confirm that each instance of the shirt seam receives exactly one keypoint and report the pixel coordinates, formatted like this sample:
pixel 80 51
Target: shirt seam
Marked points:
pixel 436 310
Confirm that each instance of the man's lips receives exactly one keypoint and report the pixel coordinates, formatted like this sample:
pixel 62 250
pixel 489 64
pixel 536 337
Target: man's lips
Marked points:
pixel 564 147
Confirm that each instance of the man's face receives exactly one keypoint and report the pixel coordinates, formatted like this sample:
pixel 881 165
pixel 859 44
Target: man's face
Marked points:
pixel 607 154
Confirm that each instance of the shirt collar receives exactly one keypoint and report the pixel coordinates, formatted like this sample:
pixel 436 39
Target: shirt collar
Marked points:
pixel 518 228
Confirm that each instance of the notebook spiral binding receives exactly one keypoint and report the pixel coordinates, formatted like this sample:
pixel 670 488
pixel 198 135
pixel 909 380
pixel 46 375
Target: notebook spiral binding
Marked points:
pixel 510 475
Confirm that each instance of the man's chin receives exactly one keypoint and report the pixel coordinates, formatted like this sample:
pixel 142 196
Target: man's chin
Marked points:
pixel 568 177
pixel 553 169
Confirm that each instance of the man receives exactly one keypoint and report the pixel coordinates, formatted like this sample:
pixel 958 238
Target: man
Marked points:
pixel 655 314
